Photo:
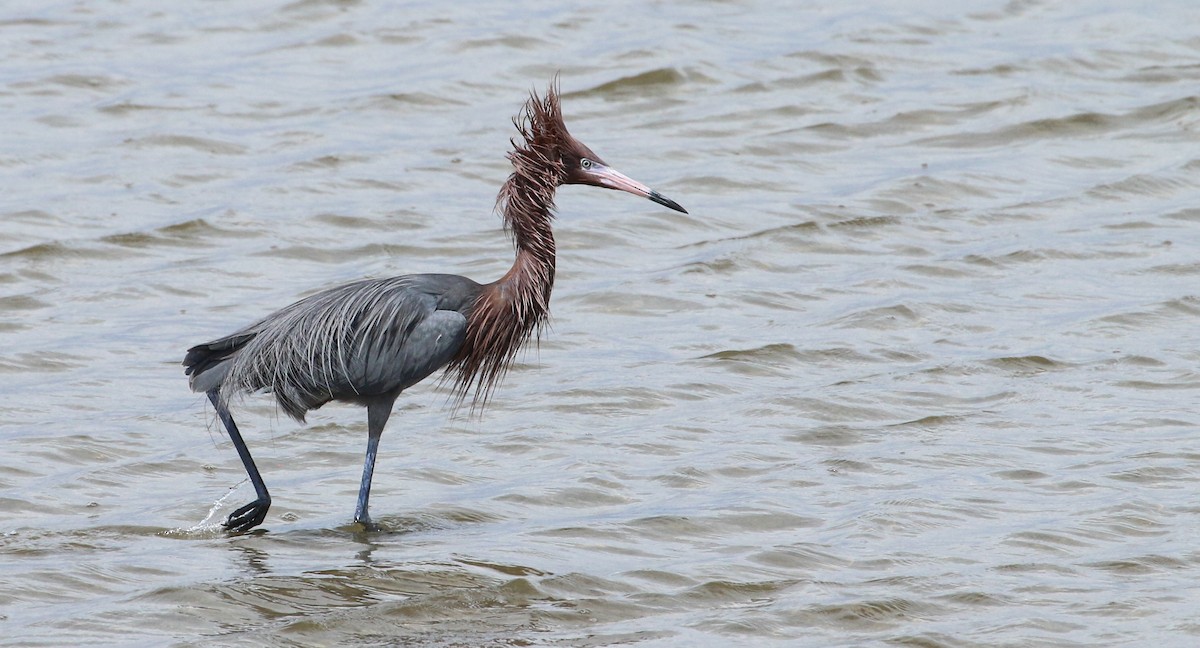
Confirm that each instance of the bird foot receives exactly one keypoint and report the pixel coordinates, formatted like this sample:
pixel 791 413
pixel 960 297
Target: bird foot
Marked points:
pixel 366 524
pixel 248 516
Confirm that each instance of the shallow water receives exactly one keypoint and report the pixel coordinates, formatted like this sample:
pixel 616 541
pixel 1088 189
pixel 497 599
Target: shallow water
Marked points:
pixel 919 368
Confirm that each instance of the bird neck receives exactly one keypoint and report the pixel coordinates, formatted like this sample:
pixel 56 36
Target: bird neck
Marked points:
pixel 513 308
pixel 527 203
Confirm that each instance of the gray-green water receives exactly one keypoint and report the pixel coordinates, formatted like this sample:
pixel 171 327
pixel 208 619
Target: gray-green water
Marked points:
pixel 920 368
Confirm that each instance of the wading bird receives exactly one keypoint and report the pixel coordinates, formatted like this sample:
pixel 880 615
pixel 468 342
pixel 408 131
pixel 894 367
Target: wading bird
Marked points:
pixel 365 342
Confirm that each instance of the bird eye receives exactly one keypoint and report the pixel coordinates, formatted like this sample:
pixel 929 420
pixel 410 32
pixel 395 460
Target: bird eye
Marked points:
pixel 585 163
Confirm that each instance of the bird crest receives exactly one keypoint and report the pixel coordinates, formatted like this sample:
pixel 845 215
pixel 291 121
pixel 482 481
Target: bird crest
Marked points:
pixel 543 134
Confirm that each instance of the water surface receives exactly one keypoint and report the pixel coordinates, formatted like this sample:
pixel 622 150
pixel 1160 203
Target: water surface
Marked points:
pixel 919 368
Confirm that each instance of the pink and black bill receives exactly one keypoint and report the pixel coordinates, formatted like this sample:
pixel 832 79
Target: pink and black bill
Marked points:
pixel 600 175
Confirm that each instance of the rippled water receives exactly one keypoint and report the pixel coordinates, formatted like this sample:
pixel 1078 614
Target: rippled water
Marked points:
pixel 920 368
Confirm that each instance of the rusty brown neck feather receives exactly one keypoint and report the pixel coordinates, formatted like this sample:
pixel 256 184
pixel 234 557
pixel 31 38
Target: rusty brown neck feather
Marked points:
pixel 514 308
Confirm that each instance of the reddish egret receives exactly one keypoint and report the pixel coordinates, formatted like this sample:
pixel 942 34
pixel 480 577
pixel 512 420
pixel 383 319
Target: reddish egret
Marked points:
pixel 367 341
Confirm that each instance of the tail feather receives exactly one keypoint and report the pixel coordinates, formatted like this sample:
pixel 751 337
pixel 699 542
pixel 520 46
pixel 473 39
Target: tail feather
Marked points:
pixel 207 364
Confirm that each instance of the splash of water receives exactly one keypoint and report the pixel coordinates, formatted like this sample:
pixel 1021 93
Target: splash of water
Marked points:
pixel 207 524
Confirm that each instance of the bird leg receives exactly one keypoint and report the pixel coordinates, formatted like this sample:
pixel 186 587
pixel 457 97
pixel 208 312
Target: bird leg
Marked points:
pixel 377 417
pixel 252 514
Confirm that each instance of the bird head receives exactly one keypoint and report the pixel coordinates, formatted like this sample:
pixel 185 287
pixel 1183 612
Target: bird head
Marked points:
pixel 551 148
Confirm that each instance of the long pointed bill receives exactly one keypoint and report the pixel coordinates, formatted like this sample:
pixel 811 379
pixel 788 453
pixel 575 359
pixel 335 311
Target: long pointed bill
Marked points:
pixel 612 179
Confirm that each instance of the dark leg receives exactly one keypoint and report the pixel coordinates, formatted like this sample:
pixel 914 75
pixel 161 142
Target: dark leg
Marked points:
pixel 252 514
pixel 377 417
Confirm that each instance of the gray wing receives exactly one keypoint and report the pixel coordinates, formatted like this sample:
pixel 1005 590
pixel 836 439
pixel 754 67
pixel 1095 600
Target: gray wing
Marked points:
pixel 397 356
pixel 353 342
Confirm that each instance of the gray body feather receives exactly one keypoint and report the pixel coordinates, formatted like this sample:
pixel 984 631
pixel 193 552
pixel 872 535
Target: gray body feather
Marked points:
pixel 360 342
